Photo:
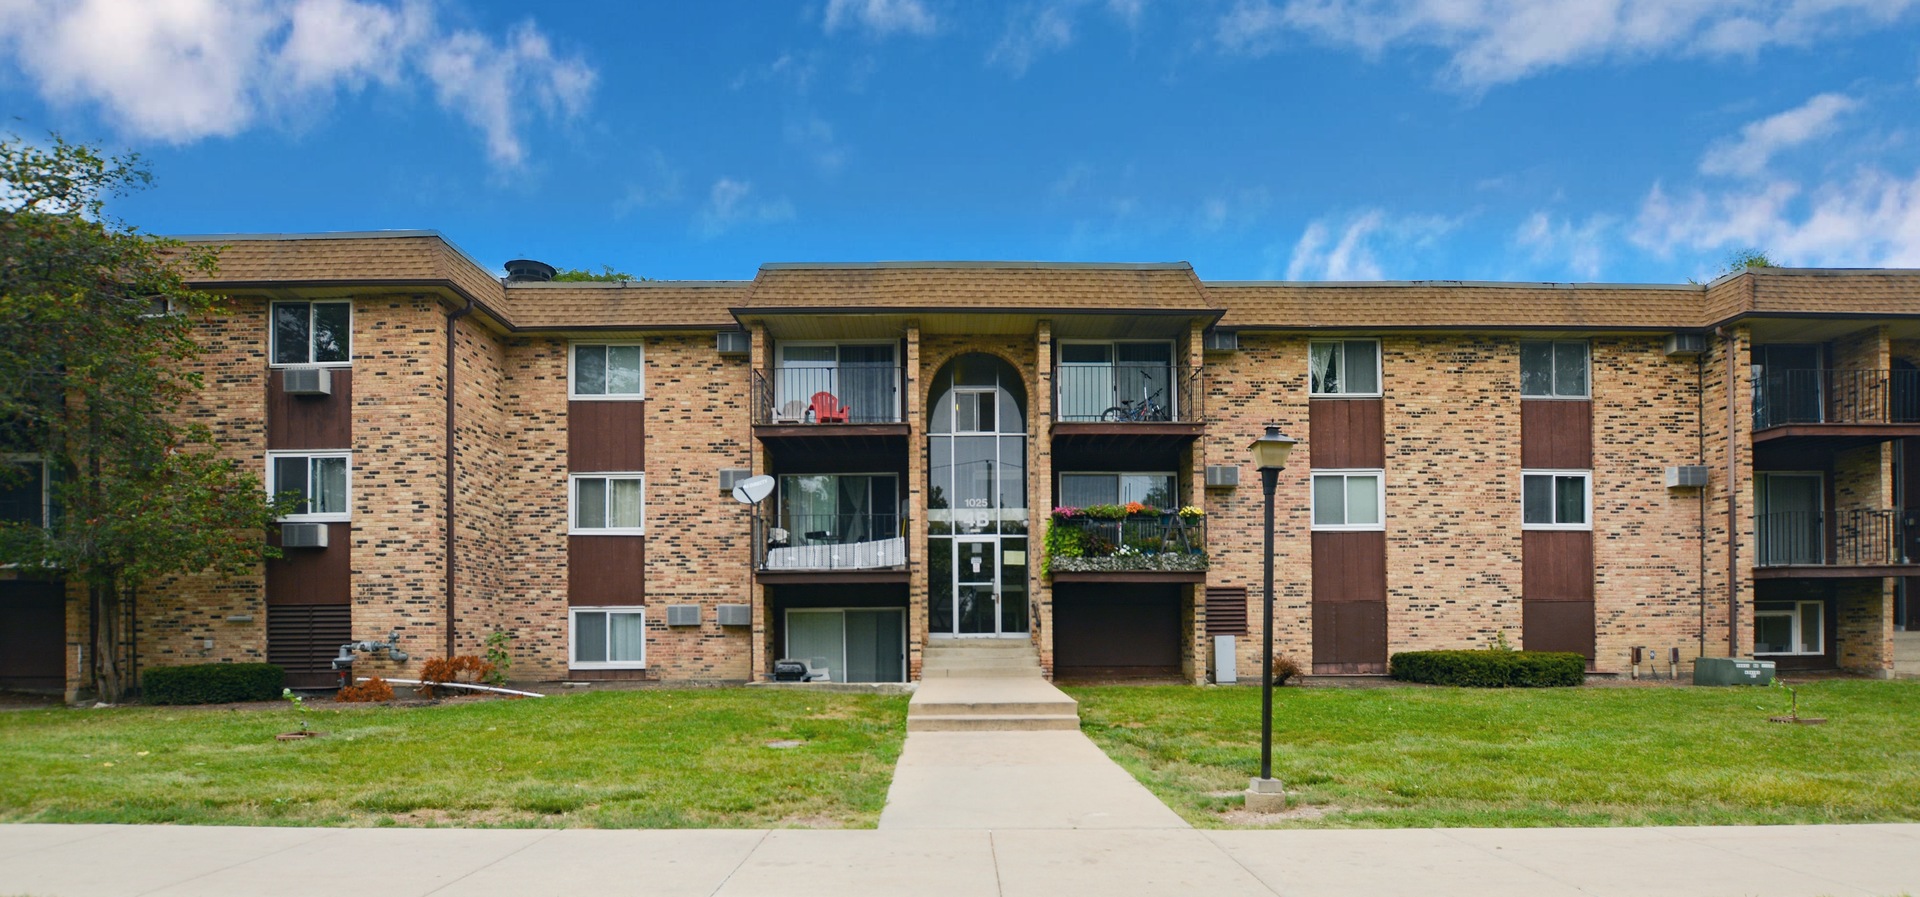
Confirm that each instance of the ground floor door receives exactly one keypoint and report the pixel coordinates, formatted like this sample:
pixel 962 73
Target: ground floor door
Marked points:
pixel 33 636
pixel 979 589
pixel 848 644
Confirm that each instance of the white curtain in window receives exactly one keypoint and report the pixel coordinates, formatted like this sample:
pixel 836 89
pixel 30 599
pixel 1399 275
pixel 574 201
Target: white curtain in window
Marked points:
pixel 623 508
pixel 329 486
pixel 1322 359
pixel 626 638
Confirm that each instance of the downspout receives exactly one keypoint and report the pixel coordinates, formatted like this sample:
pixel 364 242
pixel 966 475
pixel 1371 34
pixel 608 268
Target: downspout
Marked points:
pixel 453 318
pixel 1733 504
pixel 1700 420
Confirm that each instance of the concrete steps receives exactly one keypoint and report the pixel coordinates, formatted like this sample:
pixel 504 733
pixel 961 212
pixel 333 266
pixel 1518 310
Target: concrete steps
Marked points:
pixel 987 685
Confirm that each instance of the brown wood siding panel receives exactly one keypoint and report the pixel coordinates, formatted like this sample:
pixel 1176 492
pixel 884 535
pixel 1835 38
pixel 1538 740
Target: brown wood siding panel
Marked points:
pixel 1556 434
pixel 1349 566
pixel 606 571
pixel 1227 611
pixel 1115 632
pixel 33 635
pixel 1557 626
pixel 304 639
pixel 1556 565
pixel 1350 632
pixel 606 436
pixel 313 575
pixel 310 422
pixel 1346 433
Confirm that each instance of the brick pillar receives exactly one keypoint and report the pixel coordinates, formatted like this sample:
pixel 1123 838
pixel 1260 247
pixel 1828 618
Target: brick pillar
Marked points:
pixel 1040 495
pixel 1197 649
pixel 916 503
pixel 761 644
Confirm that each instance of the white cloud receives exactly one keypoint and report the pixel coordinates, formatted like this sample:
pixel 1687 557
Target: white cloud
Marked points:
pixel 184 70
pixel 731 202
pixel 1351 250
pixel 1032 33
pixel 1758 141
pixel 1561 244
pixel 1864 216
pixel 880 18
pixel 813 136
pixel 1498 41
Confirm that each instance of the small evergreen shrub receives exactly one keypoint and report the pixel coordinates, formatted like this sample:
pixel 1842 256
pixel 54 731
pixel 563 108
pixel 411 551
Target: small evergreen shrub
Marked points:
pixel 212 683
pixel 1490 669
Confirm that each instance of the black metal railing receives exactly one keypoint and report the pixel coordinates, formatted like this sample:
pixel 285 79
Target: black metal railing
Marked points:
pixel 848 393
pixel 1835 396
pixel 1160 542
pixel 1126 392
pixel 804 542
pixel 1862 537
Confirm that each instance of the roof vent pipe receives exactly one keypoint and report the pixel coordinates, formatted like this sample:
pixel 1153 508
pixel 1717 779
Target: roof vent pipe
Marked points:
pixel 529 271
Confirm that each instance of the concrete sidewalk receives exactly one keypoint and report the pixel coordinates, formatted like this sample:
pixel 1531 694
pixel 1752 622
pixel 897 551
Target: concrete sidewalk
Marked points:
pixel 1791 861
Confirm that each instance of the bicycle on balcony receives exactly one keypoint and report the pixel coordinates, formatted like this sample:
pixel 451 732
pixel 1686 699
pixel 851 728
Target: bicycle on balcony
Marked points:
pixel 1147 409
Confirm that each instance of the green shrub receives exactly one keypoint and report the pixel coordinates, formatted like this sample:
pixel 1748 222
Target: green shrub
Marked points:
pixel 212 683
pixel 1490 669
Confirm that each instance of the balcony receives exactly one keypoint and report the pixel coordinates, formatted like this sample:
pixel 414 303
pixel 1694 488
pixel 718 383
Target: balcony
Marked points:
pixel 1865 542
pixel 1108 544
pixel 859 407
pixel 1149 408
pixel 831 547
pixel 1861 405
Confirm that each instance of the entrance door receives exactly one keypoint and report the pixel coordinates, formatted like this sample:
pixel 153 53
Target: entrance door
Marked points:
pixel 976 586
pixel 1789 527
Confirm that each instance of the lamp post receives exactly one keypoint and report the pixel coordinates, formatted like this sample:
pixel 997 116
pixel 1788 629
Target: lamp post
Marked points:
pixel 1265 794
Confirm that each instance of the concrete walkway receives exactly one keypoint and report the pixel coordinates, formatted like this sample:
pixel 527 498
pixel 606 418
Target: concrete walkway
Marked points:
pixel 135 861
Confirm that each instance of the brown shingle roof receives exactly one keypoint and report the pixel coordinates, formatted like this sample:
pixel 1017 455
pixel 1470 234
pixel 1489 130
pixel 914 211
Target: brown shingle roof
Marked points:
pixel 1835 291
pixel 982 285
pixel 1428 304
pixel 640 305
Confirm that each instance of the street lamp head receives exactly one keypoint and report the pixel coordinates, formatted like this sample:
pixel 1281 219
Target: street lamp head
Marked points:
pixel 1270 451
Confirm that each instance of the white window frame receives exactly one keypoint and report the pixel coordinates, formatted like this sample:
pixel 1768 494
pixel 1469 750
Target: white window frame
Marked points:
pixel 1553 371
pixel 840 672
pixel 573 379
pixel 1793 614
pixel 1380 511
pixel 273 487
pixel 573 637
pixel 1586 478
pixel 573 504
pixel 273 334
pixel 46 483
pixel 1173 475
pixel 1379 370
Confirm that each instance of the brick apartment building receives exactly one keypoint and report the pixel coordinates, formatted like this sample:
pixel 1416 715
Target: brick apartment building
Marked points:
pixel 1712 470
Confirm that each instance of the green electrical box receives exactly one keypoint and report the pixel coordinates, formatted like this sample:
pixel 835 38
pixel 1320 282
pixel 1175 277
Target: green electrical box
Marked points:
pixel 1732 671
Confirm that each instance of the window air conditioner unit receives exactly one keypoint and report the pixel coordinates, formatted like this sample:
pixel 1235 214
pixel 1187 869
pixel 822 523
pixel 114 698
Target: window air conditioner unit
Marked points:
pixel 1692 476
pixel 683 615
pixel 303 535
pixel 1222 476
pixel 735 615
pixel 1223 341
pixel 1686 344
pixel 731 477
pixel 309 382
pixel 733 342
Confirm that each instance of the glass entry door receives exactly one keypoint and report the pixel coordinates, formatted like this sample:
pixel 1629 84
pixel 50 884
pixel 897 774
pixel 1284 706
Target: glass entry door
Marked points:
pixel 976 593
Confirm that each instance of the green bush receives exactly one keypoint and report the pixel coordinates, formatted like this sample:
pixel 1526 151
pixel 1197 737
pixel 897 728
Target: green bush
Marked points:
pixel 1490 669
pixel 212 683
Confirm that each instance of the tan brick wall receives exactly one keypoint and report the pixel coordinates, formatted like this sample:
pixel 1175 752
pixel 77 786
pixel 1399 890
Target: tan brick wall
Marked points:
pixel 533 600
pixel 1263 383
pixel 698 537
pixel 484 462
pixel 1718 421
pixel 399 477
pixel 1648 567
pixel 1864 626
pixel 177 616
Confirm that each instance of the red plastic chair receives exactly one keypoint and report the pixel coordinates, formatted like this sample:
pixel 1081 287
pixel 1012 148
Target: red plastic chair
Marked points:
pixel 828 410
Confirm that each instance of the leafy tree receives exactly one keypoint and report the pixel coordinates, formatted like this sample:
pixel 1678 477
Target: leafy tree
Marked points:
pixel 606 274
pixel 96 346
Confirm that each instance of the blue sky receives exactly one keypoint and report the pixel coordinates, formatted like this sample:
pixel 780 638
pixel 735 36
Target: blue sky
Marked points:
pixel 1616 140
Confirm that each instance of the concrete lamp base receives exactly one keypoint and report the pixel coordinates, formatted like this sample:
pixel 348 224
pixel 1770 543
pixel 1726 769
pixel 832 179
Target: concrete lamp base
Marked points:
pixel 1266 796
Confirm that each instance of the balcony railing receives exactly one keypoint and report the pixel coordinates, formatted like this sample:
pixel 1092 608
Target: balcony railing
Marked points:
pixel 1129 392
pixel 849 393
pixel 1136 543
pixel 797 543
pixel 1865 537
pixel 1832 396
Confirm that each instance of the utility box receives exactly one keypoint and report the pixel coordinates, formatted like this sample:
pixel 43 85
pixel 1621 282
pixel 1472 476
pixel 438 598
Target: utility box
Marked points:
pixel 1732 671
pixel 1226 665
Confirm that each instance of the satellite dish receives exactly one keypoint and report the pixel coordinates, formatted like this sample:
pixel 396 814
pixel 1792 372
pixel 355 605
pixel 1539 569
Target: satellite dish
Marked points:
pixel 753 490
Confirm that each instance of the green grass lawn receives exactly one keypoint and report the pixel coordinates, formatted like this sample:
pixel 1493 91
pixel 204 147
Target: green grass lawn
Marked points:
pixel 618 759
pixel 1408 756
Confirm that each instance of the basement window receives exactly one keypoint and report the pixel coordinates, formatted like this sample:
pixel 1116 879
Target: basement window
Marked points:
pixel 608 638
